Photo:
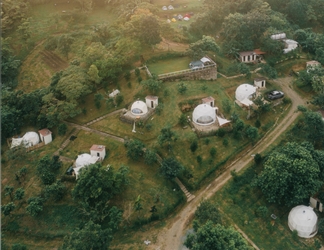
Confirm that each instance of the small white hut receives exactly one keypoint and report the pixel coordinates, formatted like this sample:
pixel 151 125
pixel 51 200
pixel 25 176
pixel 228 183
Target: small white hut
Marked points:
pixel 312 64
pixel 209 100
pixel 304 220
pixel 98 150
pixel 45 135
pixel 260 82
pixel 151 101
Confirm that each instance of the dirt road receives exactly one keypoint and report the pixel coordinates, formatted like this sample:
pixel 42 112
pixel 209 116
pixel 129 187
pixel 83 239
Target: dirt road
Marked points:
pixel 170 237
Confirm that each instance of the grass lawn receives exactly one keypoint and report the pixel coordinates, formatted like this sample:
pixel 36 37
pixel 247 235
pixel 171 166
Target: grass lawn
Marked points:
pixel 284 68
pixel 169 65
pixel 239 202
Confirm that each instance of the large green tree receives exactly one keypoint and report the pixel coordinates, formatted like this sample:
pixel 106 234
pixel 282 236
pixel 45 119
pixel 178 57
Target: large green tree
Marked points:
pixel 95 186
pixel 170 167
pixel 90 236
pixel 291 174
pixel 216 237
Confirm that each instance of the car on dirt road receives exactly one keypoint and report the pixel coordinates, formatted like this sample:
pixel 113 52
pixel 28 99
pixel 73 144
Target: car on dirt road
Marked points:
pixel 275 94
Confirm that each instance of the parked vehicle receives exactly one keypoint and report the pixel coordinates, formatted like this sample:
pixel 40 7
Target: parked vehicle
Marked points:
pixel 276 94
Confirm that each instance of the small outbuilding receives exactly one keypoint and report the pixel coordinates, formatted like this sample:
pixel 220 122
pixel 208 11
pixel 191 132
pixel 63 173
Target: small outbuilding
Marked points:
pixel 45 135
pixel 303 219
pixel 114 93
pixel 151 101
pixel 209 100
pixel 312 64
pixel 260 82
pixel 204 115
pixel 139 108
pixel 245 93
pixel 248 56
pixel 98 150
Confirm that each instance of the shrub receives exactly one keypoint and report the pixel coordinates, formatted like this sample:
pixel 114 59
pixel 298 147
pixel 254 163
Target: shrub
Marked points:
pixel 207 141
pixel 257 159
pixel 225 142
pixel 194 146
pixel 257 123
pixel 119 100
pixel 321 227
pixel 137 72
pixel 127 75
pixel 199 159
pixel 182 120
pixel 221 132
pixel 212 152
pixel 262 211
pixel 62 128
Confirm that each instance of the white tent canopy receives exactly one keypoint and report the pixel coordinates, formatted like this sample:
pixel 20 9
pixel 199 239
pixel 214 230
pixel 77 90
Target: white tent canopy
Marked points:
pixel 16 142
pixel 304 220
pixel 30 139
pixel 222 121
pixel 204 115
pixel 244 93
pixel 139 108
pixel 84 160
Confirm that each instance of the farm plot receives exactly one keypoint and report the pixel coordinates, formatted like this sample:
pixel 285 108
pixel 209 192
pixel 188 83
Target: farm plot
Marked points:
pixel 53 61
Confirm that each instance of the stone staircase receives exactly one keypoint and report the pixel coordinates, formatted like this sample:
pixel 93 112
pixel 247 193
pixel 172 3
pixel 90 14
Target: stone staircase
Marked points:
pixel 189 196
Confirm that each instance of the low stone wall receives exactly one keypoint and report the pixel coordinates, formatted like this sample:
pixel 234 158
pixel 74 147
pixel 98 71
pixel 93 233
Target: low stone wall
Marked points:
pixel 209 73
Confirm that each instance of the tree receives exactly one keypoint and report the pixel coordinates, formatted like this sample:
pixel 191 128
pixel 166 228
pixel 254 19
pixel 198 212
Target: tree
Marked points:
pixel 183 120
pixel 96 185
pixel 62 128
pixel 291 174
pixel 199 49
pixel 19 194
pixel 313 126
pixel 194 146
pixel 135 149
pixel 7 209
pixel 56 191
pixel 9 191
pixel 97 99
pixel 167 136
pixel 207 211
pixel 170 167
pixel 217 237
pixel 150 157
pixel 90 236
pixel 18 246
pixel 251 133
pixel 93 74
pixel 47 167
pixel 182 88
pixel 212 152
pixel 152 85
pixel 138 204
pixel 238 127
pixel 64 43
pixel 35 206
pixel 227 106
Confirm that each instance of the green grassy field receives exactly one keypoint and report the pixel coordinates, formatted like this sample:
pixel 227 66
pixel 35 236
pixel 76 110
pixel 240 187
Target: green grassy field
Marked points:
pixel 169 65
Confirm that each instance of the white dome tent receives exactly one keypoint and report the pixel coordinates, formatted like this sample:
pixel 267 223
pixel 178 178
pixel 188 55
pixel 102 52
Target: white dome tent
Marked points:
pixel 30 139
pixel 304 220
pixel 82 161
pixel 139 108
pixel 204 115
pixel 244 93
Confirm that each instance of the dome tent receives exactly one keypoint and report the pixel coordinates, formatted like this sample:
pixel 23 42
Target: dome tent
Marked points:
pixel 304 220
pixel 139 108
pixel 30 139
pixel 244 93
pixel 84 160
pixel 204 115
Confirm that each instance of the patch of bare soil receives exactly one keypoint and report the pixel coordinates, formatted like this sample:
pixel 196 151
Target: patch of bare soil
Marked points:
pixel 53 61
pixel 167 45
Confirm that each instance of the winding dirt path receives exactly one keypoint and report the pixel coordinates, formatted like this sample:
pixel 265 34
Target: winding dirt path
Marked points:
pixel 170 237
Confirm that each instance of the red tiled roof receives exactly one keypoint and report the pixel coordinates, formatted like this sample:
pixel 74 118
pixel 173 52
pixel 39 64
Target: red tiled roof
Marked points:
pixel 97 147
pixel 259 52
pixel 44 132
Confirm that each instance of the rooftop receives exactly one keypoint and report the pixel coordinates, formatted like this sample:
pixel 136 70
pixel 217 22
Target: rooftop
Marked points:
pixel 97 147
